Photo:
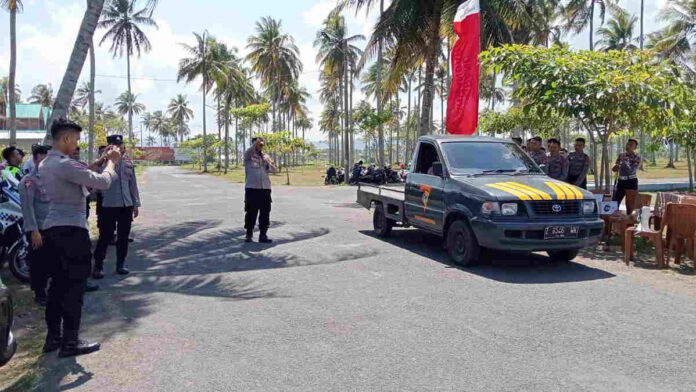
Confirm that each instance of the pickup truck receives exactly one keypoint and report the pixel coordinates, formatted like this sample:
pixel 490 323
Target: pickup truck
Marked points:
pixel 479 192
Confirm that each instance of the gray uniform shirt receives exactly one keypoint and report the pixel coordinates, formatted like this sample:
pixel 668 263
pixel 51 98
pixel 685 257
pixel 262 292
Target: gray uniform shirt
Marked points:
pixel 124 191
pixel 34 201
pixel 256 170
pixel 65 181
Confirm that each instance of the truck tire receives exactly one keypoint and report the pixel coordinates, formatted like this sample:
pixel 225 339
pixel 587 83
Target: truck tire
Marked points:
pixel 563 256
pixel 462 246
pixel 381 224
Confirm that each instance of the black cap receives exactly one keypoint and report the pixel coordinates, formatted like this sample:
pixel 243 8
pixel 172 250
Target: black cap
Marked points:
pixel 39 149
pixel 116 140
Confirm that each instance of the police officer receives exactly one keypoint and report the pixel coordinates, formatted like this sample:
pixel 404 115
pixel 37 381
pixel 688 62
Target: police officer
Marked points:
pixel 257 195
pixel 34 210
pixel 557 163
pixel 120 204
pixel 536 151
pixel 12 173
pixel 626 166
pixel 579 165
pixel 66 236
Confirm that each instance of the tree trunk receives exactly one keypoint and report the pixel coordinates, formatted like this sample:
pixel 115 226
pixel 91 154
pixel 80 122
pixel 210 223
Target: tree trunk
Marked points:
pixel 227 136
pixel 13 71
pixel 592 25
pixel 77 60
pixel 642 20
pixel 205 135
pixel 689 155
pixel 380 61
pixel 670 164
pixel 92 77
pixel 430 63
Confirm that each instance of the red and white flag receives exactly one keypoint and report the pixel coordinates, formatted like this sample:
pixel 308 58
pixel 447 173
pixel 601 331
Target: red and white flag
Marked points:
pixel 463 102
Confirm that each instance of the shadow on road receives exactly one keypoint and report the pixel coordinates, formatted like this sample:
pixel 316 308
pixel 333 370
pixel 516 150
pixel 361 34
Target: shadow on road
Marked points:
pixel 517 268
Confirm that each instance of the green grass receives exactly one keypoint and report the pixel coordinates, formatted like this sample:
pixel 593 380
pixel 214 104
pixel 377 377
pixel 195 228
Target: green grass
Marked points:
pixel 310 175
pixel 660 171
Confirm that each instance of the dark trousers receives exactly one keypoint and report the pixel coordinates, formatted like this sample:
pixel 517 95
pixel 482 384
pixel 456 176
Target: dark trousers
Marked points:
pixel 39 260
pixel 69 247
pixel 574 179
pixel 257 204
pixel 110 218
pixel 621 187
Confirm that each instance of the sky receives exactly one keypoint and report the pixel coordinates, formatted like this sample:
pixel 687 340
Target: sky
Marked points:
pixel 46 32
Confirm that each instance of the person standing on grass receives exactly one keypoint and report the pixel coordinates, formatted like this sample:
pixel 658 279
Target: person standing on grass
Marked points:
pixel 66 236
pixel 579 165
pixel 34 210
pixel 257 192
pixel 626 166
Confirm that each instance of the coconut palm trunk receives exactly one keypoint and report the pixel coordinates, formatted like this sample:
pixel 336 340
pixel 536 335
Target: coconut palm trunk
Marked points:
pixel 592 25
pixel 380 130
pixel 430 64
pixel 77 60
pixel 92 77
pixel 13 70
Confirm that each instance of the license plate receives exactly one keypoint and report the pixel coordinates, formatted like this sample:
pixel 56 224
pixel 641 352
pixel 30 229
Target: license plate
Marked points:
pixel 559 232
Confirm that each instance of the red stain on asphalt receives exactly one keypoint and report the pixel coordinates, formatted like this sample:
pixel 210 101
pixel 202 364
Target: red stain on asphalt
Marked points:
pixel 331 325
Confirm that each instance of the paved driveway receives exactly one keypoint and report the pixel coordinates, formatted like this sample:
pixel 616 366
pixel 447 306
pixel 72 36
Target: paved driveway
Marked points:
pixel 330 307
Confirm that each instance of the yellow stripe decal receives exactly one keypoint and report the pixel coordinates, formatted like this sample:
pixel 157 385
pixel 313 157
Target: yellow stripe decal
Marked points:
pixel 543 195
pixel 560 195
pixel 521 195
pixel 576 192
pixel 424 219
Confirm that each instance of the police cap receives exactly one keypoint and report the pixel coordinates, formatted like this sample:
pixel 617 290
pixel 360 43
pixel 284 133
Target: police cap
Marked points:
pixel 115 140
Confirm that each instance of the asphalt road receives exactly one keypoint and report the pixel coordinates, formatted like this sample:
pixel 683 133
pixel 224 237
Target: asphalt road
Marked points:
pixel 329 307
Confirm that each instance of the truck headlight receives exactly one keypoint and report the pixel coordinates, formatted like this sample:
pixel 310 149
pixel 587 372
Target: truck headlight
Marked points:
pixel 588 206
pixel 508 208
pixel 490 207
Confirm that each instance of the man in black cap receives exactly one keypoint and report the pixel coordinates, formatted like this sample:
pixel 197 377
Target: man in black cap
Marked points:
pixel 66 236
pixel 119 206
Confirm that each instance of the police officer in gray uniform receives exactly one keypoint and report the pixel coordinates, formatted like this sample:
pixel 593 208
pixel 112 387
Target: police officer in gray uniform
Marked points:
pixel 34 210
pixel 66 236
pixel 120 204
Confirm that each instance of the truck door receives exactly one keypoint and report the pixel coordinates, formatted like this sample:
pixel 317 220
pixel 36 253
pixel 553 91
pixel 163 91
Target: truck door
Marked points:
pixel 425 199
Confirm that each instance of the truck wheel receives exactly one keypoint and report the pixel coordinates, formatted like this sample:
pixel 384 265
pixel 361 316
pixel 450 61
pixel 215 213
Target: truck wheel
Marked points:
pixel 382 225
pixel 563 256
pixel 462 246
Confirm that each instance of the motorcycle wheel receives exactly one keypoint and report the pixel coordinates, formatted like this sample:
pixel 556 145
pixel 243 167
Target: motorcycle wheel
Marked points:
pixel 19 262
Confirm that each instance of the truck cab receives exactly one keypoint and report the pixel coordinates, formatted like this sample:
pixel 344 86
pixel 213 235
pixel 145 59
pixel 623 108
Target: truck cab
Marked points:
pixel 479 192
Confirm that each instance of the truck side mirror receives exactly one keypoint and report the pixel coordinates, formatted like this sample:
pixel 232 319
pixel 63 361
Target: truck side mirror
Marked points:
pixel 438 169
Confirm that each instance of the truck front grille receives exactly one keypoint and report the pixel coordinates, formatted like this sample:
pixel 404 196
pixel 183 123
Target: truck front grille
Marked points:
pixel 556 207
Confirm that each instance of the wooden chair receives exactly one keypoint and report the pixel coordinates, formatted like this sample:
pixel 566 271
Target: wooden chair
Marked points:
pixel 619 225
pixel 682 229
pixel 654 236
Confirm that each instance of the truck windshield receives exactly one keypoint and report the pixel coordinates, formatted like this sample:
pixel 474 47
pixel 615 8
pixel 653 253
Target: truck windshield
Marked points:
pixel 483 157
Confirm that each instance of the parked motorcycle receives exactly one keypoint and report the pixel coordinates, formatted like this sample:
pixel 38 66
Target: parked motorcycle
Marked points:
pixel 14 247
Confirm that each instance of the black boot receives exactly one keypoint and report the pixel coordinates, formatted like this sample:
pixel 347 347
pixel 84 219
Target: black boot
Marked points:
pixel 98 272
pixel 89 287
pixel 121 270
pixel 52 343
pixel 77 347
pixel 40 300
pixel 263 238
pixel 249 236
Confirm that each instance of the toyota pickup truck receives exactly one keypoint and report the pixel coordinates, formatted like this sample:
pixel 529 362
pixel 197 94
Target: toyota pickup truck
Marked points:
pixel 479 192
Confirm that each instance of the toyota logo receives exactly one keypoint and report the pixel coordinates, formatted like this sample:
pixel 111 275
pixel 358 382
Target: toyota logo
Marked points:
pixel 557 208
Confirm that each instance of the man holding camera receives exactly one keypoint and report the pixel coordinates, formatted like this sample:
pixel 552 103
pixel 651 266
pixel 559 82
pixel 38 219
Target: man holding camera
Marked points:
pixel 257 194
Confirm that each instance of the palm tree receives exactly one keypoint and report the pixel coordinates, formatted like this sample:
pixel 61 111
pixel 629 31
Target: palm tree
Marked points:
pixel 202 63
pixel 123 24
pixel 84 93
pixel 581 13
pixel 13 6
pixel 180 114
pixel 546 23
pixel 126 104
pixel 5 89
pixel 338 56
pixel 618 32
pixel 146 121
pixel 275 59
pixel 159 124
pixel 42 94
